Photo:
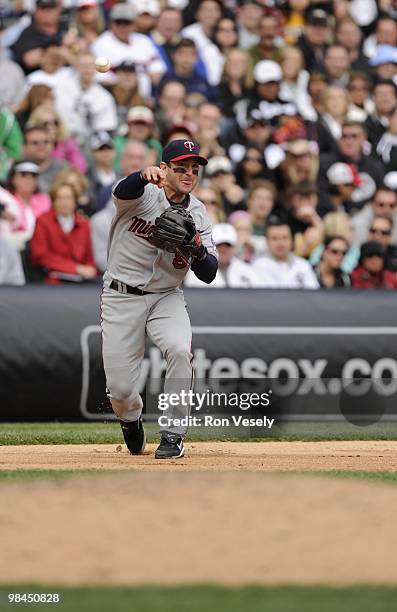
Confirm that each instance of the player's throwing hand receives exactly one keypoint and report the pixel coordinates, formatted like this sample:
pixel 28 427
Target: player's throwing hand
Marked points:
pixel 154 175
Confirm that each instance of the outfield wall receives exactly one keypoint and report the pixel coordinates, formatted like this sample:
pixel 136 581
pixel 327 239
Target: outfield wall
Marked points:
pixel 50 344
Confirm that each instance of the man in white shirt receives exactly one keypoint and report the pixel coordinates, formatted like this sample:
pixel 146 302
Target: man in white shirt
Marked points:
pixel 84 105
pixel 281 269
pixel 121 43
pixel 232 272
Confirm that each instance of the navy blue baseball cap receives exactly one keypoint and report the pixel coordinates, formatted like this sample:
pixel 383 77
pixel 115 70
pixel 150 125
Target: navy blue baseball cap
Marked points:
pixel 178 150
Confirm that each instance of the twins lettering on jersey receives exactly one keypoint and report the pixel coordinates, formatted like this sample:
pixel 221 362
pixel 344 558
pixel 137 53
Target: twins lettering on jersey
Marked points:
pixel 140 227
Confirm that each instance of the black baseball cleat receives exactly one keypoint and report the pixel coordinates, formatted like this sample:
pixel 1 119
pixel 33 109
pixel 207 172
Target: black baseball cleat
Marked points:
pixel 134 436
pixel 170 447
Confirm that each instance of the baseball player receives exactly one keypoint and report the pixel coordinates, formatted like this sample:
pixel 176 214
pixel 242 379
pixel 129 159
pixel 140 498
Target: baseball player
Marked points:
pixel 159 231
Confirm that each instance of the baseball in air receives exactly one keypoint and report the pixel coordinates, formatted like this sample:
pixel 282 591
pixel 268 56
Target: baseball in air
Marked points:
pixel 102 64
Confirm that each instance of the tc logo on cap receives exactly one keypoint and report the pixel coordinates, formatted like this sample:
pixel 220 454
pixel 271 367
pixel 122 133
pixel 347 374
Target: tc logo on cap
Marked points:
pixel 189 145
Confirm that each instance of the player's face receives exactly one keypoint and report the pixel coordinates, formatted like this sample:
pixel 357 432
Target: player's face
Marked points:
pixel 182 176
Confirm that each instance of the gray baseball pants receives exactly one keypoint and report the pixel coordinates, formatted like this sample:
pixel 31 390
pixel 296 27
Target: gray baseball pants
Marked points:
pixel 126 320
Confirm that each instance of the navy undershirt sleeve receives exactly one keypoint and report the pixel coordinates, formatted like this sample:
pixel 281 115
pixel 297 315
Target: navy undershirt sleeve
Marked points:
pixel 206 269
pixel 131 187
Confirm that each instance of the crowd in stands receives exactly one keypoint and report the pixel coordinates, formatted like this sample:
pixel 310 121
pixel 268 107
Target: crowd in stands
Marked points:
pixel 294 102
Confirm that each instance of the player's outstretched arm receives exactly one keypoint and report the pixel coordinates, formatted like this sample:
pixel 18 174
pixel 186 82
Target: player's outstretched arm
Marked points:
pixel 133 186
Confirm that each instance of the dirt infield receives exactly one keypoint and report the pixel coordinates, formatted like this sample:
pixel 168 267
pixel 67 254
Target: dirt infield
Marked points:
pixel 230 528
pixel 221 521
pixel 214 456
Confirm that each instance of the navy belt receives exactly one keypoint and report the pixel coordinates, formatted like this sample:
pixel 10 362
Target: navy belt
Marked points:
pixel 123 288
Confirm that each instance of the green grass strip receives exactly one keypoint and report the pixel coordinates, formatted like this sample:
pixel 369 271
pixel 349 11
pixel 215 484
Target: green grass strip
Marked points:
pixel 212 599
pixel 384 477
pixel 110 433
pixel 31 474
pixel 55 474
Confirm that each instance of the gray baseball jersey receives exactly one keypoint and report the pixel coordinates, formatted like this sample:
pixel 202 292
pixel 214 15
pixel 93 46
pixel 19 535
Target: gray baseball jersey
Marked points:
pixel 161 315
pixel 132 259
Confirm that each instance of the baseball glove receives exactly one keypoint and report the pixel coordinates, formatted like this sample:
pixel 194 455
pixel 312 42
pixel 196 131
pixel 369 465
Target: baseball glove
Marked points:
pixel 175 231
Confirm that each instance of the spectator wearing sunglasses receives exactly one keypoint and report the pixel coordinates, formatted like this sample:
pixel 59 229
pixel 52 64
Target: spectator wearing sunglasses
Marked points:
pixel 338 224
pixel 251 168
pixel 65 147
pixel 23 186
pixel 381 230
pixel 384 204
pixel 351 149
pixel 329 272
pixel 370 272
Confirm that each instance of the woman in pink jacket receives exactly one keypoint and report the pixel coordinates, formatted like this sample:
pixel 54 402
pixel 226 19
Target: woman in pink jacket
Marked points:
pixel 22 184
